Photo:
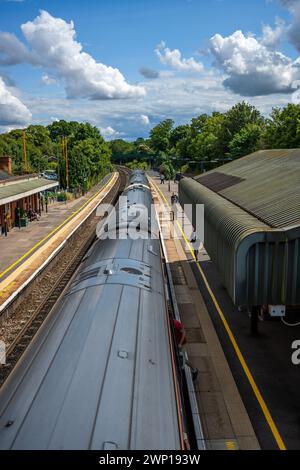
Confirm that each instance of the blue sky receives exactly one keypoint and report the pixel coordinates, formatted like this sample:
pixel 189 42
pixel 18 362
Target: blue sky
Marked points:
pixel 195 56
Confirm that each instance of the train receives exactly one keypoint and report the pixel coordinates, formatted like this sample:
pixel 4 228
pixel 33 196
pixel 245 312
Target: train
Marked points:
pixel 100 374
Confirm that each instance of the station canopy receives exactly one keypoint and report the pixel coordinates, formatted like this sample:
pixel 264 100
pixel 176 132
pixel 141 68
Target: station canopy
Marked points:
pixel 252 224
pixel 265 184
pixel 15 188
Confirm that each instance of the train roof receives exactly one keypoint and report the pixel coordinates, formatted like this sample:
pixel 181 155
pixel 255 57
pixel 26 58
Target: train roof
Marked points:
pixel 99 374
pixel 138 177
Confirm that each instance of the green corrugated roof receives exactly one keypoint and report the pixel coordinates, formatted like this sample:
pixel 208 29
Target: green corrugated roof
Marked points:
pixel 266 184
pixel 20 187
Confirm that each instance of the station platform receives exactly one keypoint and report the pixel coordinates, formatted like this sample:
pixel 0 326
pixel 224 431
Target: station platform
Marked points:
pixel 25 249
pixel 226 424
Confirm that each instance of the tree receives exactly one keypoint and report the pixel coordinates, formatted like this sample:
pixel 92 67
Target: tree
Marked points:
pixel 197 124
pixel 86 131
pixel 240 116
pixel 12 145
pixel 246 141
pixel 209 143
pixel 62 128
pixel 167 170
pixel 136 165
pixel 282 128
pixel 89 154
pixel 40 148
pixel 122 150
pixel 89 161
pixel 178 134
pixel 160 135
pixel 144 149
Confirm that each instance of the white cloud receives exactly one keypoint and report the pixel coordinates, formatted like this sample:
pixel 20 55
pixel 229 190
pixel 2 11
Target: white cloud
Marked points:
pixel 247 66
pixel 13 51
pixel 272 36
pixel 149 73
pixel 179 98
pixel 294 29
pixel 54 47
pixel 48 80
pixel 12 110
pixel 252 68
pixel 145 119
pixel 108 132
pixel 8 80
pixel 173 59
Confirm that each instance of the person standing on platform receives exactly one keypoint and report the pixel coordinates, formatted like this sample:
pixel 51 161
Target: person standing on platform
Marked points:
pixel 195 243
pixel 6 219
pixel 181 340
pixel 18 217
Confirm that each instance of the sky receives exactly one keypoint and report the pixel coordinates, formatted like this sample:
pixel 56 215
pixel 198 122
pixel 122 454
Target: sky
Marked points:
pixel 125 65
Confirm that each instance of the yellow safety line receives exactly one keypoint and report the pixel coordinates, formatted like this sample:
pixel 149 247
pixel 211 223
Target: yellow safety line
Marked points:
pixel 238 352
pixel 55 230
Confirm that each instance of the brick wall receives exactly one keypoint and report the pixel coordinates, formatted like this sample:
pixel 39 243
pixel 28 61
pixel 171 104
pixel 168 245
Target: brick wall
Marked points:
pixel 5 164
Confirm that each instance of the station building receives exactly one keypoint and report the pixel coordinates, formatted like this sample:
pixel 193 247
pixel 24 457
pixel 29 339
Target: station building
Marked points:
pixel 252 225
pixel 19 192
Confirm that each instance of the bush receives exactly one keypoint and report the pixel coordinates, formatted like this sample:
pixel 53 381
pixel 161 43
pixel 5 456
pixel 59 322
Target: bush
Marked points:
pixel 61 197
pixel 184 168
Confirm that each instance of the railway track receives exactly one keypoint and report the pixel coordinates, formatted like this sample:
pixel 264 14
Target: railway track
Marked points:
pixel 18 330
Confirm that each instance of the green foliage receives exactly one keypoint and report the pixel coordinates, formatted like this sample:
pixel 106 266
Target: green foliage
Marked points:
pixel 62 128
pixel 246 141
pixel 178 134
pixel 167 170
pixel 203 143
pixel 240 116
pixel 208 143
pixel 160 135
pixel 62 196
pixel 184 169
pixel 88 153
pixel 209 140
pixel 124 152
pixel 283 128
pixel 136 165
pixel 90 160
